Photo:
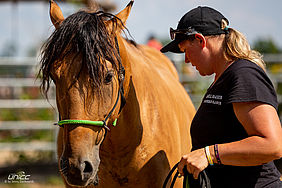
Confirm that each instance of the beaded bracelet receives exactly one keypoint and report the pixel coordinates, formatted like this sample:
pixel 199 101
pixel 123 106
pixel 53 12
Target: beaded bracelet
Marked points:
pixel 208 155
pixel 216 153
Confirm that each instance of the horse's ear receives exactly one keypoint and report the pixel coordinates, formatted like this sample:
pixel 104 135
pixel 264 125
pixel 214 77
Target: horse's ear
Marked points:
pixel 122 15
pixel 56 14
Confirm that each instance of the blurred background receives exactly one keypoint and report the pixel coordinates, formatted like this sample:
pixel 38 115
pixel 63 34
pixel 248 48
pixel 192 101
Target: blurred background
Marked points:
pixel 27 134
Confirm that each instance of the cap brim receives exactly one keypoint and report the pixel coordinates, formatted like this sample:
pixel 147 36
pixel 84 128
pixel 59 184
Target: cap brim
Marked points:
pixel 172 46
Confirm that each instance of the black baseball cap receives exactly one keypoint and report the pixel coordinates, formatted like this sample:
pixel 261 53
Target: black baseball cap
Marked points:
pixel 204 20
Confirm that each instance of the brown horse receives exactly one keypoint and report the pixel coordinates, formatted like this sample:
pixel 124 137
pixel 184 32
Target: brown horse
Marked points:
pixel 95 70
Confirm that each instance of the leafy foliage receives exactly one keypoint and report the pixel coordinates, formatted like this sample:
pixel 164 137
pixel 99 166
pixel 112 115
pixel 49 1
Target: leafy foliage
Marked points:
pixel 266 45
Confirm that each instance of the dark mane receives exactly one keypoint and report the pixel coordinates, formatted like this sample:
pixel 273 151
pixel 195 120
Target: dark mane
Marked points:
pixel 83 34
pixel 132 42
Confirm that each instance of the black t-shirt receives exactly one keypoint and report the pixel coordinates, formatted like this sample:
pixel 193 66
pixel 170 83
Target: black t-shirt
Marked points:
pixel 215 122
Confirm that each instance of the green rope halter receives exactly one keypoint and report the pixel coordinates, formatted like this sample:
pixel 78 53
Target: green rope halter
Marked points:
pixel 86 122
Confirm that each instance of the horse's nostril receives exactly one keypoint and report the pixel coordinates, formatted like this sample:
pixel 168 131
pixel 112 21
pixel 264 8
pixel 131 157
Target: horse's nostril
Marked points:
pixel 64 165
pixel 88 167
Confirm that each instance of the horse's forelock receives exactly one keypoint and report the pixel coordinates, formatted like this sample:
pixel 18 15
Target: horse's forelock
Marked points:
pixel 86 34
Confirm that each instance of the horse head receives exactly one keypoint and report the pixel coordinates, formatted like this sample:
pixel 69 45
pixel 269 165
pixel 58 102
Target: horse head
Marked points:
pixel 82 58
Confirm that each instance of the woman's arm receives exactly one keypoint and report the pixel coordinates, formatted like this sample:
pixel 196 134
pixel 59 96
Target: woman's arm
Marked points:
pixel 264 143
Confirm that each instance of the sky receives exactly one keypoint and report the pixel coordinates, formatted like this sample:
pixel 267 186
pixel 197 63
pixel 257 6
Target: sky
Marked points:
pixel 28 24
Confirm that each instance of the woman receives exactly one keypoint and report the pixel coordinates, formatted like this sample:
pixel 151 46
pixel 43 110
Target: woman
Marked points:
pixel 236 132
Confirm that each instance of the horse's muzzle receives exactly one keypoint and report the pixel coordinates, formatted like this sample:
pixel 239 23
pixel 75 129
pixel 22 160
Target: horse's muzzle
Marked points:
pixel 79 173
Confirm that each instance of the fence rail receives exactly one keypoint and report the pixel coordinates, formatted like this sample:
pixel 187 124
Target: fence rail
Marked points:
pixel 30 146
pixel 22 61
pixel 28 125
pixel 19 82
pixel 26 69
pixel 34 103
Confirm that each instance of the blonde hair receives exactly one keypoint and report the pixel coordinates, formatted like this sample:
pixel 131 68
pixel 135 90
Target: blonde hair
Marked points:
pixel 236 47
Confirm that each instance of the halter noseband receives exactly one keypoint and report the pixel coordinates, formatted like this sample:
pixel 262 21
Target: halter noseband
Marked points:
pixel 102 123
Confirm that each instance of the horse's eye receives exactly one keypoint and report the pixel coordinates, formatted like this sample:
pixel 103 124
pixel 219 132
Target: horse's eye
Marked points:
pixel 109 77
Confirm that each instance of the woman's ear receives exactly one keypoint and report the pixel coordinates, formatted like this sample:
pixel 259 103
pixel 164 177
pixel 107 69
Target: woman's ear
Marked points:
pixel 199 37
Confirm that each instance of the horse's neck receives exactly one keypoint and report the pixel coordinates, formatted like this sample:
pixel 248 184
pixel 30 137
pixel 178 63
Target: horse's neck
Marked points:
pixel 128 123
pixel 121 142
pixel 126 136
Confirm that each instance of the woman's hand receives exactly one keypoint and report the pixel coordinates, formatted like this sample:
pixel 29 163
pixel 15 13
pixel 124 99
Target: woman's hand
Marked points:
pixel 195 162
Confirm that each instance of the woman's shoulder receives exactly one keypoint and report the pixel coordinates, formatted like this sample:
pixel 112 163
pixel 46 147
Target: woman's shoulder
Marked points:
pixel 244 63
pixel 249 82
pixel 245 68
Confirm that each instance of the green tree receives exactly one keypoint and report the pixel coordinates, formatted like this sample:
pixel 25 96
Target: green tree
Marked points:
pixel 266 45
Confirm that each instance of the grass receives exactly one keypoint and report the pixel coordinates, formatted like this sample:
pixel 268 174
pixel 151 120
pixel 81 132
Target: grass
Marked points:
pixel 26 114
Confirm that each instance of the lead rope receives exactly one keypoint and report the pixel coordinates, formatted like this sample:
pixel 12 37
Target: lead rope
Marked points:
pixel 204 181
